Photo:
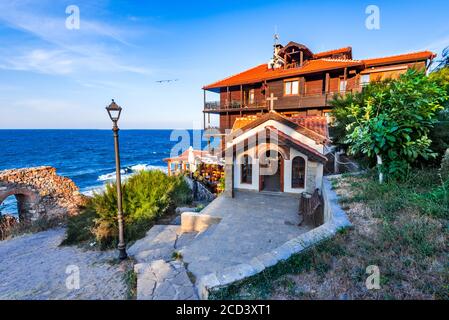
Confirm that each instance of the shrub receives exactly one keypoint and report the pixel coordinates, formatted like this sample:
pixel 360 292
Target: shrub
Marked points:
pixel 390 121
pixel 147 196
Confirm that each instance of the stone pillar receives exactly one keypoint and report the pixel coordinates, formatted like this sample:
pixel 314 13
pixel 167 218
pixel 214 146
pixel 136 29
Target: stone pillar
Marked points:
pixel 311 176
pixel 229 180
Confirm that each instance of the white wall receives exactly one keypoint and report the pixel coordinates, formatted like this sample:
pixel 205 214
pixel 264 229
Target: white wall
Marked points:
pixel 318 167
pixel 237 174
pixel 282 127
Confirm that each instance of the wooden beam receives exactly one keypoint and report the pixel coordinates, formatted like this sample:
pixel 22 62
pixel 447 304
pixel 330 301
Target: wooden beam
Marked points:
pixel 301 58
pixel 327 83
pixel 302 82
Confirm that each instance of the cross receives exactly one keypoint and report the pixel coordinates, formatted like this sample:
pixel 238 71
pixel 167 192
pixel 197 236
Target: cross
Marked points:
pixel 272 99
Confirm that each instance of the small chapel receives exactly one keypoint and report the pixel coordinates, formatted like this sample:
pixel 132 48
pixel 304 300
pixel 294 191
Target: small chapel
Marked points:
pixel 275 153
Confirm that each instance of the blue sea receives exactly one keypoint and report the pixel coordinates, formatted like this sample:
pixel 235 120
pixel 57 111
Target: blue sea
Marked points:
pixel 85 156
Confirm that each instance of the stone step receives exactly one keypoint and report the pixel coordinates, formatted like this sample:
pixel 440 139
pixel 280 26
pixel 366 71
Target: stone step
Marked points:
pixel 160 280
pixel 159 236
pixel 206 233
pixel 184 240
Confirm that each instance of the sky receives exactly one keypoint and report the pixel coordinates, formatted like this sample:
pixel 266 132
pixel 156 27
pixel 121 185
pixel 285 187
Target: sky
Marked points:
pixel 56 77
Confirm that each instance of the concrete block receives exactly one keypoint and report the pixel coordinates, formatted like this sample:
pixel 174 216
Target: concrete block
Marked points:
pixel 196 222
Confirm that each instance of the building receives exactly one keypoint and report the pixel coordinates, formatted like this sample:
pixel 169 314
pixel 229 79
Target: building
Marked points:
pixel 273 117
pixel 297 81
pixel 275 153
pixel 190 160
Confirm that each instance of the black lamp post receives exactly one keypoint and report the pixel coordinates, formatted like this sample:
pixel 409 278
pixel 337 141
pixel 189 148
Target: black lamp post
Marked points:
pixel 114 111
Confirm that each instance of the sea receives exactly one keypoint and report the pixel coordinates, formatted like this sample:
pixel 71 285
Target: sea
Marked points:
pixel 87 156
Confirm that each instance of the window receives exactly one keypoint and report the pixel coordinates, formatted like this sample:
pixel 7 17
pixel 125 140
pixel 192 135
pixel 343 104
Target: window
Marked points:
pixel 246 170
pixel 172 166
pixel 251 96
pixel 343 84
pixel 291 87
pixel 298 172
pixel 365 79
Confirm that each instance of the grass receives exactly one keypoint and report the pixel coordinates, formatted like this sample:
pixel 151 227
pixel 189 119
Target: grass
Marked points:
pixel 401 227
pixel 260 286
pixel 130 279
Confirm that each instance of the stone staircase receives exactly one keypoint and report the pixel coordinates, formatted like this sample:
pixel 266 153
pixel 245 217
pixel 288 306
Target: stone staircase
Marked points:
pixel 159 275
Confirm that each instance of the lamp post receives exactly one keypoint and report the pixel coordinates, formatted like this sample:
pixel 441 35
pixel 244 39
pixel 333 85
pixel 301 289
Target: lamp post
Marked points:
pixel 114 111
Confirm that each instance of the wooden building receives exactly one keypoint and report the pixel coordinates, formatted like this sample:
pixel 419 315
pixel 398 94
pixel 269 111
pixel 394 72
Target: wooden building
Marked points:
pixel 298 82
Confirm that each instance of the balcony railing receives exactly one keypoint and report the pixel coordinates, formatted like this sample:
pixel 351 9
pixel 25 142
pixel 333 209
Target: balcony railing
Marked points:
pixel 309 100
pixel 212 105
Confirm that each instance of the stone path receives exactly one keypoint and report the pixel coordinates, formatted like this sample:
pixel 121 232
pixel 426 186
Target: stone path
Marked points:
pixel 159 276
pixel 160 280
pixel 34 267
pixel 252 224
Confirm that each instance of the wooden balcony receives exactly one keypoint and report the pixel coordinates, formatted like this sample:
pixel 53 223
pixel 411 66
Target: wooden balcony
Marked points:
pixel 233 106
pixel 286 103
pixel 283 103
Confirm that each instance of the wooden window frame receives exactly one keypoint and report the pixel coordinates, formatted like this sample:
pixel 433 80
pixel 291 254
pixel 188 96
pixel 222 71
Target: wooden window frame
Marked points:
pixel 291 81
pixel 293 173
pixel 248 169
pixel 340 82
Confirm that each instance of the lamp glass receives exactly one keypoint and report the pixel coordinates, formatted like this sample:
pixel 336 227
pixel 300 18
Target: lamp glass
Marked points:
pixel 114 111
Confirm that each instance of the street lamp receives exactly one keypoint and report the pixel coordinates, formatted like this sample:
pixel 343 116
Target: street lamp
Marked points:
pixel 114 111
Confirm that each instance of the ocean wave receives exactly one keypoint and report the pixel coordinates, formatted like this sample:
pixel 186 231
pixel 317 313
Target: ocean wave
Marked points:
pixel 90 191
pixel 129 171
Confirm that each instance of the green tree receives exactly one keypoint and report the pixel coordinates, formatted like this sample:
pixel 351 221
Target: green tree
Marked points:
pixel 389 122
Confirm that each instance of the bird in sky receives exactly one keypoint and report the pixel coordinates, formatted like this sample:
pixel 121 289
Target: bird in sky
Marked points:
pixel 168 80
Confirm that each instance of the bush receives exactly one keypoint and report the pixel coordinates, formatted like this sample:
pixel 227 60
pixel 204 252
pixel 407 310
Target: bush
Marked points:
pixel 391 121
pixel 147 196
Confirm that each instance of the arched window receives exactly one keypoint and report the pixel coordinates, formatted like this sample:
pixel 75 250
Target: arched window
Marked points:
pixel 298 172
pixel 246 170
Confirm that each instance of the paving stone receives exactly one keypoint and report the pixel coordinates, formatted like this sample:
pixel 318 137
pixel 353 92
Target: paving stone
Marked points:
pixel 160 280
pixel 158 236
pixel 34 266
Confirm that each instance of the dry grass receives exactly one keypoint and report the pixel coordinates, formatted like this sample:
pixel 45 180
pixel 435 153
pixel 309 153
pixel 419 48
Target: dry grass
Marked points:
pixel 392 229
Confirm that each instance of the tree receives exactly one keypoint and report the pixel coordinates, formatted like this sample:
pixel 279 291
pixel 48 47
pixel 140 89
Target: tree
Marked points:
pixel 389 122
pixel 444 61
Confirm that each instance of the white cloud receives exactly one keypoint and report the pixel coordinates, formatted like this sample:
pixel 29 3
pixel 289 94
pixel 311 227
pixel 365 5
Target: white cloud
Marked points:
pixel 96 46
pixel 41 61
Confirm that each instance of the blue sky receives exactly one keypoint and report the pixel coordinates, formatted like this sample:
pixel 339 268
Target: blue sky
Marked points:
pixel 53 77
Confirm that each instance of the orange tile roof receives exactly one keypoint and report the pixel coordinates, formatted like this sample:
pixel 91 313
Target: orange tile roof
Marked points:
pixel 414 56
pixel 331 52
pixel 316 124
pixel 243 121
pixel 262 72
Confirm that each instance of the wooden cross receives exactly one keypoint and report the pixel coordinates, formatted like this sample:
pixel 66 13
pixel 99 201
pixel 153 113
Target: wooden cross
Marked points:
pixel 272 99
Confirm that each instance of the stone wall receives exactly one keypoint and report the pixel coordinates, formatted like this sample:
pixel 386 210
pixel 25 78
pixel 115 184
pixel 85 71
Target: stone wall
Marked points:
pixel 200 192
pixel 40 193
